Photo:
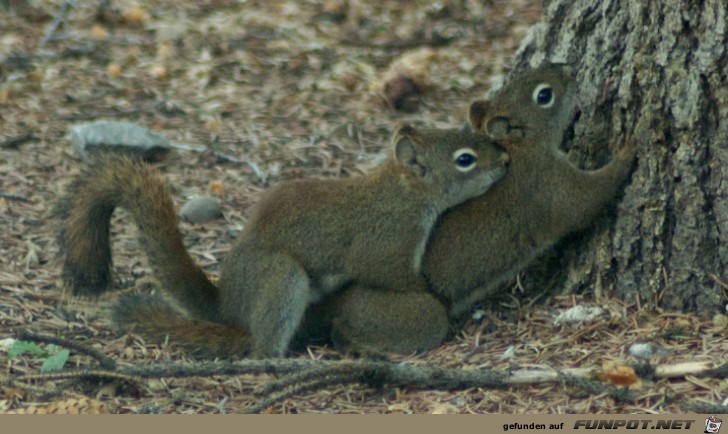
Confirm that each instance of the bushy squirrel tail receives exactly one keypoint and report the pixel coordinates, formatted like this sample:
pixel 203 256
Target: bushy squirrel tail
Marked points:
pixel 112 181
pixel 156 319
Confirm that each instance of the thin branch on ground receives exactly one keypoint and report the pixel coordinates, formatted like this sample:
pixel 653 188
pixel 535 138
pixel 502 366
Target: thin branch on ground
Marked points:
pixel 57 21
pixel 306 375
pixel 294 389
pixel 717 372
pixel 621 395
pixel 75 374
pixel 13 196
pixel 700 407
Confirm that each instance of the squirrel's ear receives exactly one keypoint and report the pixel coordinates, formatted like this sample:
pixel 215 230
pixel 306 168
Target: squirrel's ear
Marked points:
pixel 404 148
pixel 477 113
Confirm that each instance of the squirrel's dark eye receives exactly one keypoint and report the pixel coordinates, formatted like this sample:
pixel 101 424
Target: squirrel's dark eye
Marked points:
pixel 543 95
pixel 465 159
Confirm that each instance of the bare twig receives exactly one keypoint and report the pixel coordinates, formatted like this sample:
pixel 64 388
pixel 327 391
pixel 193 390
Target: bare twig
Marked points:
pixel 699 407
pixel 304 375
pixel 76 374
pixel 688 368
pixel 621 395
pixel 716 372
pixel 57 21
pixel 13 196
pixel 293 389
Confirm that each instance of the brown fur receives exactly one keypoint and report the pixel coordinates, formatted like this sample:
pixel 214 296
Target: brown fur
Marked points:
pixel 304 240
pixel 481 243
pixel 116 181
pixel 543 198
pixel 201 338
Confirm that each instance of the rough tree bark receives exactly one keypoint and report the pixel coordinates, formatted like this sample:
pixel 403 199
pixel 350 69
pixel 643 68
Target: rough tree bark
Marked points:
pixel 654 71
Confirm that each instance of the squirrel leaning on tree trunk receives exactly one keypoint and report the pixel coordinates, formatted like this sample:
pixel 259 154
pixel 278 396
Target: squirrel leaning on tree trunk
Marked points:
pixel 476 246
pixel 304 241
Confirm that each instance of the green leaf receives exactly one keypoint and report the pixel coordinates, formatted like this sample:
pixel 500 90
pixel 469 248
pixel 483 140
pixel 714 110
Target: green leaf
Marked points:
pixel 21 347
pixel 55 362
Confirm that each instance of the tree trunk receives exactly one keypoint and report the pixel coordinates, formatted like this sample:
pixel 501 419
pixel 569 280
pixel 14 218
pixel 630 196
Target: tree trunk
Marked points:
pixel 654 72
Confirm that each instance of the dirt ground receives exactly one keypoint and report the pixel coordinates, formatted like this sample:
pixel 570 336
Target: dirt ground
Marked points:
pixel 278 90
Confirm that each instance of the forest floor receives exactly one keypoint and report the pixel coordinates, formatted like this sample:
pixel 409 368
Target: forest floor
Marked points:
pixel 279 90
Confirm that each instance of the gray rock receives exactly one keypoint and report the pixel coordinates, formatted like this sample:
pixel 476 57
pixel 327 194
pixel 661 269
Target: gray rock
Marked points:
pixel 645 350
pixel 642 350
pixel 117 136
pixel 581 314
pixel 201 209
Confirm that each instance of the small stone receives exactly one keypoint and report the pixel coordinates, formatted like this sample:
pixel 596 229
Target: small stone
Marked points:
pixel 478 315
pixel 508 354
pixel 645 350
pixel 201 209
pixel 7 343
pixel 580 314
pixel 642 350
